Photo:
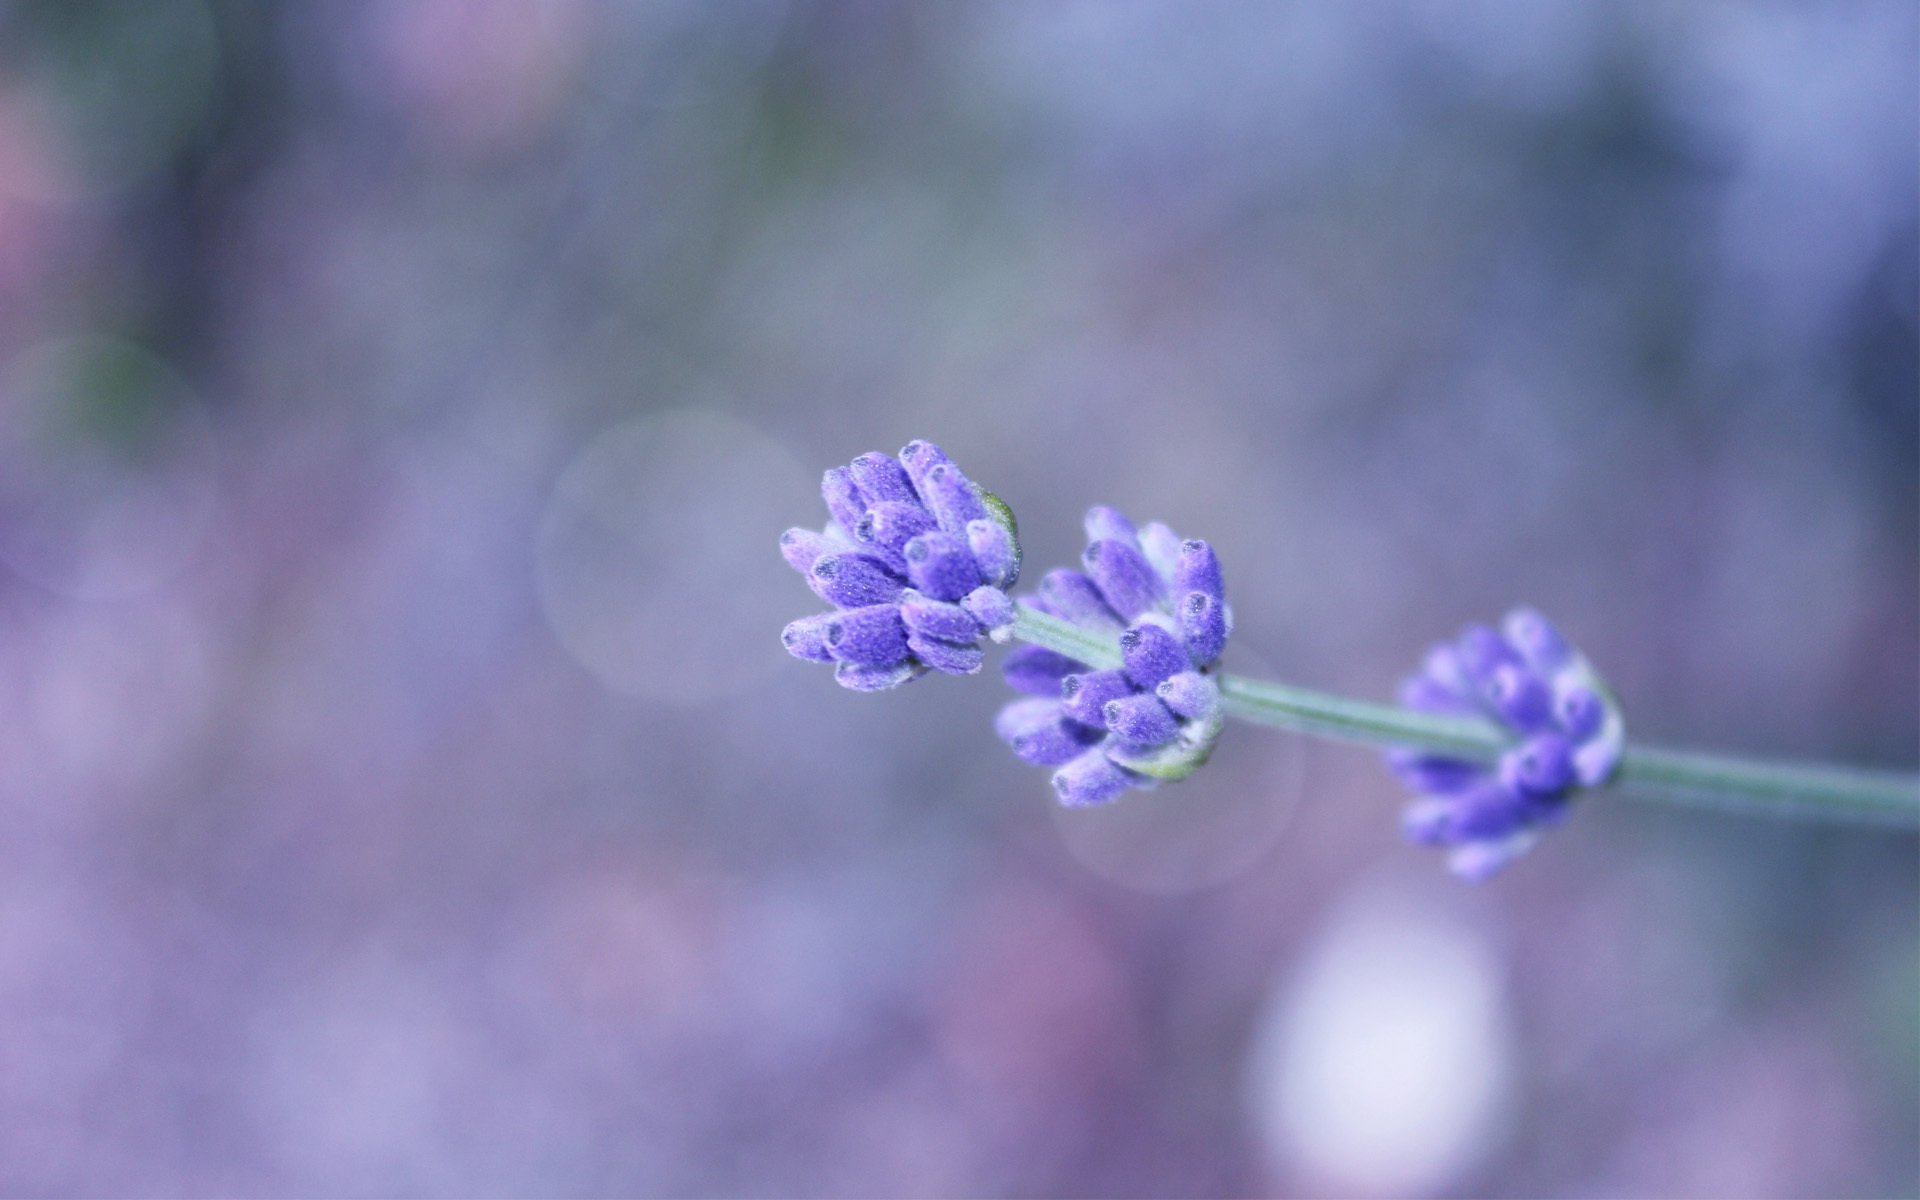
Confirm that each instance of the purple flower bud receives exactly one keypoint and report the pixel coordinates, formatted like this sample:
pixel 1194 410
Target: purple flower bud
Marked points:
pixel 803 547
pixel 1072 596
pixel 937 618
pixel 1040 735
pixel 1162 548
pixel 859 677
pixel 1189 694
pixel 990 607
pixel 952 499
pixel 1434 774
pixel 1541 764
pixel 1423 693
pixel 1520 698
pixel 843 497
pixel 1205 624
pixel 918 458
pixel 1084 696
pixel 1140 720
pixel 807 638
pixel 1036 671
pixel 939 565
pixel 1565 733
pixel 1537 641
pixel 1150 655
pixel 888 526
pixel 853 581
pixel 946 657
pixel 1089 780
pixel 994 551
pixel 871 637
pixel 1579 710
pixel 1123 576
pixel 1104 523
pixel 1198 570
pixel 882 480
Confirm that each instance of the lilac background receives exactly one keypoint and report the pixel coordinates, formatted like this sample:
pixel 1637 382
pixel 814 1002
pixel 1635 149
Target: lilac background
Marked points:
pixel 403 787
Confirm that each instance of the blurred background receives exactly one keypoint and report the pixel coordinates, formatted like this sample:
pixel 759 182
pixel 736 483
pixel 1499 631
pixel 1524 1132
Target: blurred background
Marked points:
pixel 403 789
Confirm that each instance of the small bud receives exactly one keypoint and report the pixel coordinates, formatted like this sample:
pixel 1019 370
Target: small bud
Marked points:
pixel 1151 654
pixel 1520 698
pixel 1073 597
pixel 872 636
pixel 1423 693
pixel 843 497
pixel 939 565
pixel 1198 570
pixel 1104 523
pixel 937 618
pixel 1054 743
pixel 861 678
pixel 992 609
pixel 1162 548
pixel 1140 721
pixel 1479 861
pixel 1429 822
pixel 888 526
pixel 881 480
pixel 853 581
pixel 1037 671
pixel 918 458
pixel 1579 710
pixel 1542 764
pixel 1434 773
pixel 1537 641
pixel 1205 625
pixel 1123 576
pixel 1480 651
pixel 1019 717
pixel 952 499
pixel 1190 695
pixel 1089 780
pixel 946 657
pixel 1084 696
pixel 803 547
pixel 994 550
pixel 807 638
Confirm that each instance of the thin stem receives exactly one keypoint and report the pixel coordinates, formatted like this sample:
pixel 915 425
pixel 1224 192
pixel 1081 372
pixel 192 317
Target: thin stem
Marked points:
pixel 1745 785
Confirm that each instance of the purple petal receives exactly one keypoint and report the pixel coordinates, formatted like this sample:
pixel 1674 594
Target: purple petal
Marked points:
pixel 1537 640
pixel 888 526
pixel 1542 764
pixel 918 458
pixel 1104 523
pixel 1019 717
pixel 1073 597
pixel 803 547
pixel 1435 774
pixel 952 498
pixel 990 606
pixel 1520 698
pixel 1579 710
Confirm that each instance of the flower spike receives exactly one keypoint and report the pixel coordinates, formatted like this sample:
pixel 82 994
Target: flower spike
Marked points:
pixel 916 561
pixel 1566 731
pixel 1158 715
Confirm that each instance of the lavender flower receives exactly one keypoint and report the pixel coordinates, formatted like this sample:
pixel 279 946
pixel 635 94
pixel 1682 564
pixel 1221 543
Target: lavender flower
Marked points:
pixel 1567 732
pixel 1158 715
pixel 916 561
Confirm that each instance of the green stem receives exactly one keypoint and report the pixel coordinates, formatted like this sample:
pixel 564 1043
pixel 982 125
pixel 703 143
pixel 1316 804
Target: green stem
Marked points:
pixel 1744 785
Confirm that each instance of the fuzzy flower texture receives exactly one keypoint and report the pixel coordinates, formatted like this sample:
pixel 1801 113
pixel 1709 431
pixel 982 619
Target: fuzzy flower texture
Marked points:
pixel 1567 730
pixel 916 561
pixel 1158 715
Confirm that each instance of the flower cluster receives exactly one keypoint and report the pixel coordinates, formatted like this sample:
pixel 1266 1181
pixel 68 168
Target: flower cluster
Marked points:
pixel 1567 728
pixel 1157 716
pixel 916 561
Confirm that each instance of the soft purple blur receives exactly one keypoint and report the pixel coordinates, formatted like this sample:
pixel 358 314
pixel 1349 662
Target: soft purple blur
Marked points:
pixel 404 787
